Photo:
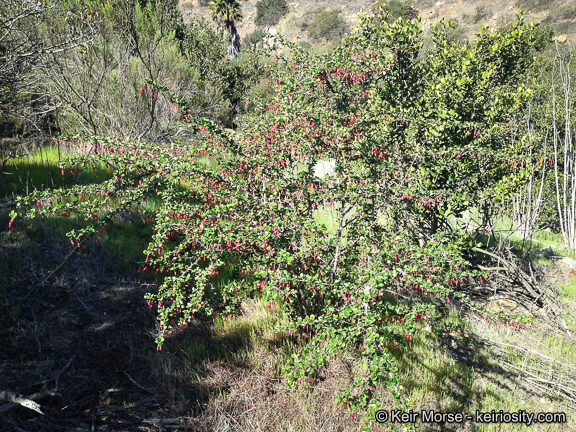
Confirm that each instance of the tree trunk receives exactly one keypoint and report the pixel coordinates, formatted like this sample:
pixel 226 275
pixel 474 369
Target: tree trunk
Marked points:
pixel 234 47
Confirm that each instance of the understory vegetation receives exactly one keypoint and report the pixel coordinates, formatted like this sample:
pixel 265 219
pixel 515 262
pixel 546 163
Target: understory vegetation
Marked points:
pixel 198 237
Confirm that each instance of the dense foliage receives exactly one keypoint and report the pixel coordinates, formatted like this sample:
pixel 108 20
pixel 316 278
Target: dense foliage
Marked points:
pixel 78 66
pixel 95 87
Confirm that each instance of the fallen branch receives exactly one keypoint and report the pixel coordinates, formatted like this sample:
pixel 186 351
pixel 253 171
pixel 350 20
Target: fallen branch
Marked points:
pixel 28 402
pixel 18 399
pixel 536 378
pixel 519 283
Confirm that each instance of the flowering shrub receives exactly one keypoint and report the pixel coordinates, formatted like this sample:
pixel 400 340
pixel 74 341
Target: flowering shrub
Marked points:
pixel 238 214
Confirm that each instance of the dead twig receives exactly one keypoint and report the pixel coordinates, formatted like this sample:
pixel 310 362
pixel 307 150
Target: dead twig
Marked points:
pixel 165 422
pixel 138 385
pixel 521 284
pixel 532 351
pixel 62 371
pixel 54 271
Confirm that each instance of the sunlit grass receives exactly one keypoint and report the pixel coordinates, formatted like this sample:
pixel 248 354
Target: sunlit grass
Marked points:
pixel 38 170
pixel 41 169
pixel 569 288
pixel 431 376
pixel 244 338
pixel 327 217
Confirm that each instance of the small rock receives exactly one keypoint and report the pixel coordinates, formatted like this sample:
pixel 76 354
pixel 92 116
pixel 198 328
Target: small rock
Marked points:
pixel 572 273
pixel 124 216
pixel 508 305
pixel 545 252
pixel 568 262
pixel 440 3
pixel 561 38
pixel 495 307
pixel 323 168
pixel 273 32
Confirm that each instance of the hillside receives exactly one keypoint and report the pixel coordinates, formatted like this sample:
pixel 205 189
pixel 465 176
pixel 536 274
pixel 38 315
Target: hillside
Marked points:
pixel 470 14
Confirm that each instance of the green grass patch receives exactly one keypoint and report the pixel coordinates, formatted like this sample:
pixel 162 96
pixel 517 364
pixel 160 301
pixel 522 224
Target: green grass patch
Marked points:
pixel 569 289
pixel 42 170
pixel 119 247
pixel 327 218
pixel 124 244
pixel 38 170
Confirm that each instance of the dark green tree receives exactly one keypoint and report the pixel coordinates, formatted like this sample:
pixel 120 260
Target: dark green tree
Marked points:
pixel 328 25
pixel 269 12
pixel 396 9
pixel 252 39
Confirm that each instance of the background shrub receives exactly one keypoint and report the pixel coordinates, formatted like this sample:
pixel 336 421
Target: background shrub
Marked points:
pixel 481 13
pixel 305 45
pixel 328 25
pixel 308 17
pixel 456 32
pixel 397 9
pixel 252 39
pixel 269 12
